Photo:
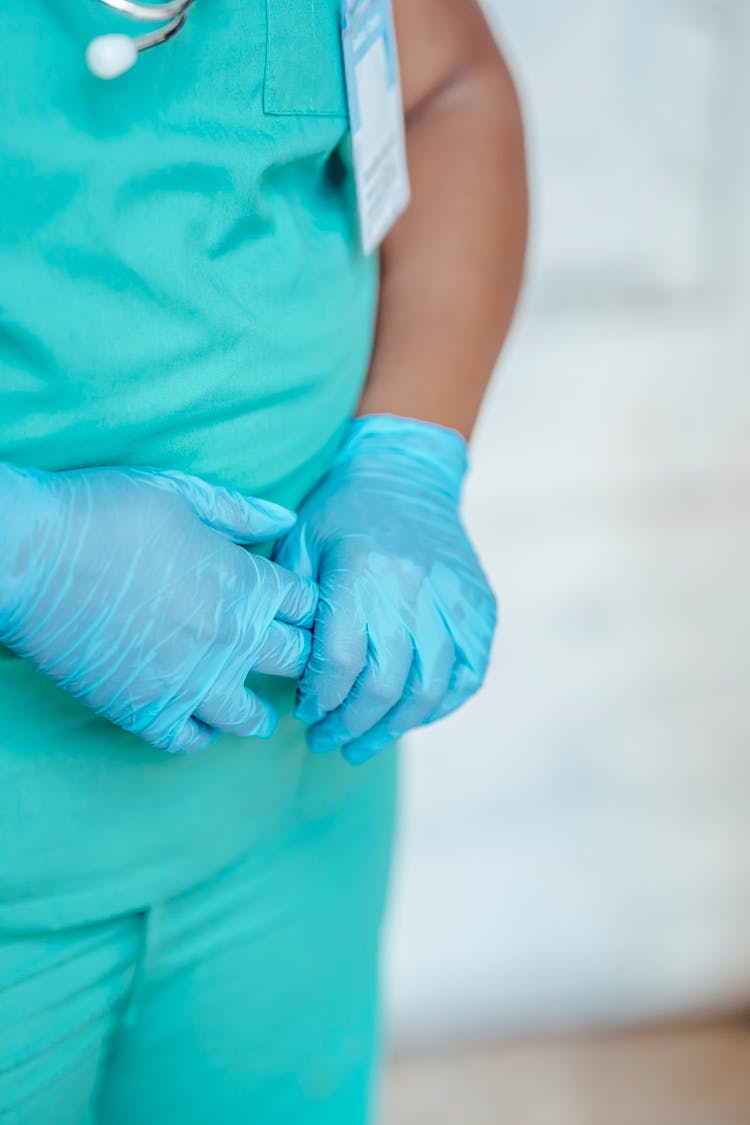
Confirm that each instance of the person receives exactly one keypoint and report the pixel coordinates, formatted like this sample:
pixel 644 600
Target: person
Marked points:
pixel 193 347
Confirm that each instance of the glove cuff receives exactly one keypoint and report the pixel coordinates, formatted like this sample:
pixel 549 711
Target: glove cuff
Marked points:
pixel 436 450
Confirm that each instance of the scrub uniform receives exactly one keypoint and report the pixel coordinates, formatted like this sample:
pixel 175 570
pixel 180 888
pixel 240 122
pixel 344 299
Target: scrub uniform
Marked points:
pixel 195 938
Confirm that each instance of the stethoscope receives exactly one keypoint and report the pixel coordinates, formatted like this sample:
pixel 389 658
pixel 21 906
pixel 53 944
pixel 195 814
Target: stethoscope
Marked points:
pixel 111 55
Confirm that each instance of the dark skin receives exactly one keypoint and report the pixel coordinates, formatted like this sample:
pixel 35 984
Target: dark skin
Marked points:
pixel 398 641
pixel 452 265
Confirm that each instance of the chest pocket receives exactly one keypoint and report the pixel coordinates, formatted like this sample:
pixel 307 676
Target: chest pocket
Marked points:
pixel 304 67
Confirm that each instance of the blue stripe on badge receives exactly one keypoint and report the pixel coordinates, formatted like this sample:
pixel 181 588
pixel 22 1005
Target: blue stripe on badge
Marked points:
pixel 363 22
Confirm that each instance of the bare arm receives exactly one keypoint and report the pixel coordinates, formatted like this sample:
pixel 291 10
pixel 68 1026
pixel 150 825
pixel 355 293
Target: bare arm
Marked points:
pixel 452 266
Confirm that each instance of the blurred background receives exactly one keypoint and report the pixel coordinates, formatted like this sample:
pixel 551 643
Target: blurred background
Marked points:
pixel 570 931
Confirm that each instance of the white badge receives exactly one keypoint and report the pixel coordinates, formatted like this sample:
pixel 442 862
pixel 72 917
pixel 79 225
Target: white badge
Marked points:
pixel 376 116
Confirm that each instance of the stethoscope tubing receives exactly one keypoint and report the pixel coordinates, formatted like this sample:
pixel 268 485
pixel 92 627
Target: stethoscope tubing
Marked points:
pixel 149 13
pixel 162 34
pixel 111 55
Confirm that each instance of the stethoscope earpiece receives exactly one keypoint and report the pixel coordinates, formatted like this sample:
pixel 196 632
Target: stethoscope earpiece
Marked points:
pixel 109 56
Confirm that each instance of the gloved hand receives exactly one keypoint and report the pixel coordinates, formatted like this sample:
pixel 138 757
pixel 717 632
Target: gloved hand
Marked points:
pixel 128 588
pixel 406 617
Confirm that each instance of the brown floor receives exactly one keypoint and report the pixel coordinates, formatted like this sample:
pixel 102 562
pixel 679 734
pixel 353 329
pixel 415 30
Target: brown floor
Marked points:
pixel 674 1076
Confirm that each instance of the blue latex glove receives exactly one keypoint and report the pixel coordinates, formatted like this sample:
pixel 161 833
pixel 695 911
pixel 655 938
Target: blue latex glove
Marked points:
pixel 406 617
pixel 129 589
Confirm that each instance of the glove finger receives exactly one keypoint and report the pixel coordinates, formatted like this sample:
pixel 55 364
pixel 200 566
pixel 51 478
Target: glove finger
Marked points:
pixel 473 648
pixel 239 712
pixel 297 598
pixel 188 738
pixel 339 651
pixel 243 519
pixel 295 553
pixel 283 651
pixel 378 689
pixel 465 682
pixel 425 689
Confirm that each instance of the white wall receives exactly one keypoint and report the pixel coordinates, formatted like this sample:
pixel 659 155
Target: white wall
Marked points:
pixel 576 843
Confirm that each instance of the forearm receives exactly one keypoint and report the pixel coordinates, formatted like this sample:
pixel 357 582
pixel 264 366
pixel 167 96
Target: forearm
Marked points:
pixel 452 266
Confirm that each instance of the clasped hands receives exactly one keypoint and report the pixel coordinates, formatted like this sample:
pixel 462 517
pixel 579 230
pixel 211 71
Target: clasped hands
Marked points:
pixel 131 588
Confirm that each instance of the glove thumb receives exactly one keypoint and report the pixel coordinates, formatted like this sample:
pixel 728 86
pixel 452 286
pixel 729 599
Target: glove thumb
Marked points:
pixel 243 519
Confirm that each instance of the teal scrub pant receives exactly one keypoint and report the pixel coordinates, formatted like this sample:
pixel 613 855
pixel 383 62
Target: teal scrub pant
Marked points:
pixel 251 998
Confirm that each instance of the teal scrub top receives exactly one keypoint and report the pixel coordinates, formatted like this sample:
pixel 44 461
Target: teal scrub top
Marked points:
pixel 180 286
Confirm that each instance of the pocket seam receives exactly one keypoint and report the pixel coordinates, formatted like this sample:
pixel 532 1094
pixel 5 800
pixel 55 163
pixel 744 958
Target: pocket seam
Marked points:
pixel 273 106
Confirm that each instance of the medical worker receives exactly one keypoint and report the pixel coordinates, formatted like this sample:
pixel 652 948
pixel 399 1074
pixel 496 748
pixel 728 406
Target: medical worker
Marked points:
pixel 195 347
